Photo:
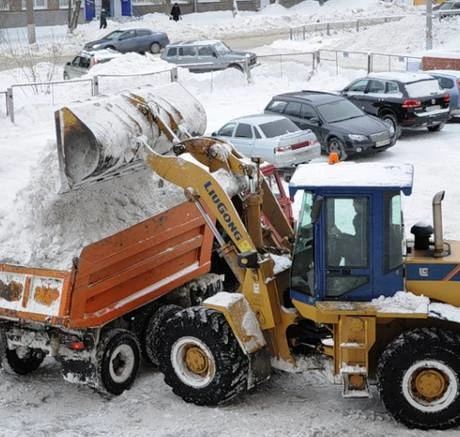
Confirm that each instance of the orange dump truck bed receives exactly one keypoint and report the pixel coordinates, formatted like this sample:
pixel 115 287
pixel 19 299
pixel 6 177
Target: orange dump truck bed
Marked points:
pixel 112 276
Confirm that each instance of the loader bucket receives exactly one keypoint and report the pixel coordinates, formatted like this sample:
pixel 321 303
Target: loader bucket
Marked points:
pixel 102 138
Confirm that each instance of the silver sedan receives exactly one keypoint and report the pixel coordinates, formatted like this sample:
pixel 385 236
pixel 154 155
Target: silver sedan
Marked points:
pixel 274 138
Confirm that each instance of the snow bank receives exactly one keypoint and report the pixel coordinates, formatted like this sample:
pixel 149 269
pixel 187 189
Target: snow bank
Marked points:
pixel 45 229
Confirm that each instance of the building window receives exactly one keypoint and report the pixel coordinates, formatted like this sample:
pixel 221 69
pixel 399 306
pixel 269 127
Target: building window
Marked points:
pixel 38 4
pixel 64 4
pixel 147 2
pixel 4 5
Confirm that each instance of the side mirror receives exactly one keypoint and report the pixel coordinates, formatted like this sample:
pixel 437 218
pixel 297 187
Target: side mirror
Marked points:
pixel 315 120
pixel 316 209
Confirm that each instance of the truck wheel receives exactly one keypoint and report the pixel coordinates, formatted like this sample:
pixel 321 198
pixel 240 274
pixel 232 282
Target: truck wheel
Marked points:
pixel 419 378
pixel 201 358
pixel 155 48
pixel 152 334
pixel 335 145
pixel 23 360
pixel 118 360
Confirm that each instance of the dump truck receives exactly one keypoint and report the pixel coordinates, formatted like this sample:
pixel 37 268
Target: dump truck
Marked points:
pixel 100 316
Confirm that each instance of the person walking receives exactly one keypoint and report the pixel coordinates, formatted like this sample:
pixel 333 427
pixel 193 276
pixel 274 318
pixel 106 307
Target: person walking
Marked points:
pixel 175 13
pixel 103 23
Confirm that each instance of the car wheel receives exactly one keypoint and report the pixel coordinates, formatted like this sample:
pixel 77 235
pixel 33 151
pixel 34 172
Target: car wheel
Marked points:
pixel 236 67
pixel 390 121
pixel 155 48
pixel 335 145
pixel 436 128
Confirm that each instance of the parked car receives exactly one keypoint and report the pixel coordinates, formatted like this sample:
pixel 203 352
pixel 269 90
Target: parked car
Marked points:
pixel 131 40
pixel 81 63
pixel 207 56
pixel 449 80
pixel 338 124
pixel 447 9
pixel 274 138
pixel 401 99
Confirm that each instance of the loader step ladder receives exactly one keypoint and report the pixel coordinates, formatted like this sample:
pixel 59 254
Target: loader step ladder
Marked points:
pixel 353 338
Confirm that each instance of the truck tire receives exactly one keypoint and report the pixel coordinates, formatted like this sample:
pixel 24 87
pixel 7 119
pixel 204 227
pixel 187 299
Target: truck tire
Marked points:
pixel 200 357
pixel 118 359
pixel 152 331
pixel 419 378
pixel 22 360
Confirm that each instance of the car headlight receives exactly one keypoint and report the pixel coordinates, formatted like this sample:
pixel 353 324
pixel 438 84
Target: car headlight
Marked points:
pixel 357 138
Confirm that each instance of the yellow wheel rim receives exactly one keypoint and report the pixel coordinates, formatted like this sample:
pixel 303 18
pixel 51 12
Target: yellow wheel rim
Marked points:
pixel 196 360
pixel 430 384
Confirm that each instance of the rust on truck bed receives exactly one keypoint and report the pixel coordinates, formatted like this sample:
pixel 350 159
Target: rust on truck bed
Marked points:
pixel 113 276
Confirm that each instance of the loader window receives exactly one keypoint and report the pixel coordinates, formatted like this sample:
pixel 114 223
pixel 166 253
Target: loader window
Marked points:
pixel 346 236
pixel 302 270
pixel 394 232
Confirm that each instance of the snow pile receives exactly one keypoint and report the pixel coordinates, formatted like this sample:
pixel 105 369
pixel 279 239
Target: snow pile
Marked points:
pixel 45 229
pixel 402 302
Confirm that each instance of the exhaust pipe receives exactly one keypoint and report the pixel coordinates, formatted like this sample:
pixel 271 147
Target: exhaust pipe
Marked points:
pixel 440 248
pixel 102 138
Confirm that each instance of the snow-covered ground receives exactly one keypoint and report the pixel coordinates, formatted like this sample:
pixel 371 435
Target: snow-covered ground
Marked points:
pixel 303 404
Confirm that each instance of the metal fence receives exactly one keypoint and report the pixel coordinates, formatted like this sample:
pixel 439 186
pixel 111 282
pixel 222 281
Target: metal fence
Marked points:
pixel 302 32
pixel 281 63
pixel 63 91
pixel 368 61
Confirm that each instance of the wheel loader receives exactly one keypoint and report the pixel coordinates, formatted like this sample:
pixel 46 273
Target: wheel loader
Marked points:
pixel 346 284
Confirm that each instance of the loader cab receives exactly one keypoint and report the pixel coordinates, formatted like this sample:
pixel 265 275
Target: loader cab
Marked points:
pixel 350 235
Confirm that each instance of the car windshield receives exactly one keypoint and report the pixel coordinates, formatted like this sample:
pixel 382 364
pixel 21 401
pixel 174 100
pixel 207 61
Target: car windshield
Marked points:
pixel 423 88
pixel 339 110
pixel 221 48
pixel 114 35
pixel 278 127
pixel 447 5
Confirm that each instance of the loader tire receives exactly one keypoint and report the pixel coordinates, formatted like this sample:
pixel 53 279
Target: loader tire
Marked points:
pixel 22 360
pixel 200 357
pixel 118 360
pixel 419 378
pixel 152 331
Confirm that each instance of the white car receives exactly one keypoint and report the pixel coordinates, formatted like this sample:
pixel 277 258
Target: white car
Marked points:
pixel 274 138
pixel 85 60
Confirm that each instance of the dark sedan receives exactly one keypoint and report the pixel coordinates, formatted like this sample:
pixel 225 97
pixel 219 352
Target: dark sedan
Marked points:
pixel 337 123
pixel 131 40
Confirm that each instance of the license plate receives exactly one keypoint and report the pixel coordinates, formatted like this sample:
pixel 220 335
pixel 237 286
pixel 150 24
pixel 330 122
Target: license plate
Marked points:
pixel 382 143
pixel 433 108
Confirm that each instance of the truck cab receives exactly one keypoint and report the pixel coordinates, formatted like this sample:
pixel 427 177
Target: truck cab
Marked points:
pixel 350 234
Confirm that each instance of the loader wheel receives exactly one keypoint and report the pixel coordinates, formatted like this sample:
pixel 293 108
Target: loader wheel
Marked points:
pixel 23 360
pixel 118 360
pixel 201 358
pixel 152 331
pixel 419 378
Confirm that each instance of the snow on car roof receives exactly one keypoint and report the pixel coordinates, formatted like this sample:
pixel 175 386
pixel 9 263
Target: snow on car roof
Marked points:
pixel 259 118
pixel 351 174
pixel 401 76
pixel 197 42
pixel 101 54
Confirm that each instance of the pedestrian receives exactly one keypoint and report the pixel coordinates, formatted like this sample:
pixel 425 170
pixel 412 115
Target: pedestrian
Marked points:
pixel 103 19
pixel 175 13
